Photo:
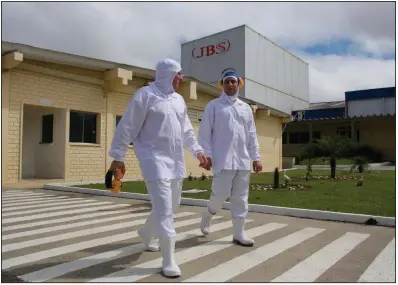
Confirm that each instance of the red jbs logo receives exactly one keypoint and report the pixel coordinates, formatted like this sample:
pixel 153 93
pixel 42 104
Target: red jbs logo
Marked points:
pixel 210 50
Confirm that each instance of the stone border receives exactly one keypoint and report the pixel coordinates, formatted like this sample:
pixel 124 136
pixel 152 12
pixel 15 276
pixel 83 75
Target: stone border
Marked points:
pixel 273 210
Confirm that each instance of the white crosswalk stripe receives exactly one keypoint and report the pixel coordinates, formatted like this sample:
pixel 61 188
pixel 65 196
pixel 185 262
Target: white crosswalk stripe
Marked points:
pixel 382 268
pixel 17 195
pixel 227 270
pixel 52 272
pixel 46 204
pixel 141 271
pixel 85 239
pixel 71 205
pixel 57 214
pixel 23 198
pixel 12 203
pixel 322 259
pixel 70 226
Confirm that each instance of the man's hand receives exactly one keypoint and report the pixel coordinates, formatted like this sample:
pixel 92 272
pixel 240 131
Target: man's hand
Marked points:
pixel 257 166
pixel 203 161
pixel 118 164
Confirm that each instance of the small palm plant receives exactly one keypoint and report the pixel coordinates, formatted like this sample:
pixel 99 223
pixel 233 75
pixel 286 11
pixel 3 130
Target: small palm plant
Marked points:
pixel 359 163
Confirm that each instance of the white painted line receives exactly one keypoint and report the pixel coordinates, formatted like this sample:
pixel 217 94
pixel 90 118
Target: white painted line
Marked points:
pixel 11 191
pixel 24 198
pixel 47 204
pixel 240 264
pixel 56 208
pixel 46 274
pixel 46 215
pixel 22 194
pixel 382 268
pixel 314 266
pixel 33 201
pixel 70 219
pixel 80 233
pixel 71 226
pixel 36 256
pixel 143 270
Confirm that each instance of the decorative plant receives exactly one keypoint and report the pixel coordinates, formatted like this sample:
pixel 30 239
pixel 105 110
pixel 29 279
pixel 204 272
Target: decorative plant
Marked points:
pixel 360 163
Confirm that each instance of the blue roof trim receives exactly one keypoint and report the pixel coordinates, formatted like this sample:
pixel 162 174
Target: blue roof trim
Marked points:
pixel 370 94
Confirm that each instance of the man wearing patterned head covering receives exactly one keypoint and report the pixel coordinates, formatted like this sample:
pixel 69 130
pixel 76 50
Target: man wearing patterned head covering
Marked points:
pixel 157 123
pixel 228 135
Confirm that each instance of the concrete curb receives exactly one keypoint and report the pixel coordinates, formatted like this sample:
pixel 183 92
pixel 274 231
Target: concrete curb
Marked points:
pixel 273 210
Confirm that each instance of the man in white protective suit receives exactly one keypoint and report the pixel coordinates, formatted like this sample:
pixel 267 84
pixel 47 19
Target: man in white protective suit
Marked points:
pixel 157 123
pixel 228 135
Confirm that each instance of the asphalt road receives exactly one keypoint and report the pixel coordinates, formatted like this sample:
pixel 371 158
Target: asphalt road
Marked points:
pixel 53 236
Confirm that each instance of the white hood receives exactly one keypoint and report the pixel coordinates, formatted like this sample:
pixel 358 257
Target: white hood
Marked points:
pixel 166 70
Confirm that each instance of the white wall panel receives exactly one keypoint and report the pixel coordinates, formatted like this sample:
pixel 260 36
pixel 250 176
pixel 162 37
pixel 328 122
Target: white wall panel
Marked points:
pixel 273 98
pixel 379 106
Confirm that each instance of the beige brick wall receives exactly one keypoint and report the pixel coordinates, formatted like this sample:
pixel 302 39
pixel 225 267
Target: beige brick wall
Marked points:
pixel 85 161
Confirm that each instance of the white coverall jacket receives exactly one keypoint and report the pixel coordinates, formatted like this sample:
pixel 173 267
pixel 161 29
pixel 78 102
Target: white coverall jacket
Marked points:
pixel 228 134
pixel 157 124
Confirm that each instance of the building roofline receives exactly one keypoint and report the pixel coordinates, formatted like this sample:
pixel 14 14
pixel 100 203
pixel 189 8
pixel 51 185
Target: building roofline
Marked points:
pixel 58 57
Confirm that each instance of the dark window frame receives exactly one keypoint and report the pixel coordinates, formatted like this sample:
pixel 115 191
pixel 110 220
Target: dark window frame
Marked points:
pixel 83 127
pixel 47 132
pixel 299 137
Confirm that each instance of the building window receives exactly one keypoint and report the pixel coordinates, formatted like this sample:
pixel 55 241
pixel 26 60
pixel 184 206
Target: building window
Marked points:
pixel 299 138
pixel 316 136
pixel 83 127
pixel 47 128
pixel 344 131
pixel 118 118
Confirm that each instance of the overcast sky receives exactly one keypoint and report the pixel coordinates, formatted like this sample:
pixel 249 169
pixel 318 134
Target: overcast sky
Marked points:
pixel 348 46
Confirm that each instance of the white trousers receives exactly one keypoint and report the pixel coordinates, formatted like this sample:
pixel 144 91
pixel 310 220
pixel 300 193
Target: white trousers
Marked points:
pixel 165 195
pixel 232 184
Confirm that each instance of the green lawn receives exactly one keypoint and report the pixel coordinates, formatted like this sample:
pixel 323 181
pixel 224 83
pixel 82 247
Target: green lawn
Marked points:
pixel 375 197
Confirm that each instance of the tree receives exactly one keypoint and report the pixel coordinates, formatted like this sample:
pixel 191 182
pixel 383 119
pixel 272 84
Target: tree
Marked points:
pixel 360 163
pixel 310 154
pixel 334 147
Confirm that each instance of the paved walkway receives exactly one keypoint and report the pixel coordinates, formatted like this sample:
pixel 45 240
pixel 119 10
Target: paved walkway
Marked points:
pixel 52 236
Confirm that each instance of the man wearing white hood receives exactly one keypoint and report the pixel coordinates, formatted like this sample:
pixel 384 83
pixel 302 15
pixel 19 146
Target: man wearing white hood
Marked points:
pixel 228 135
pixel 157 123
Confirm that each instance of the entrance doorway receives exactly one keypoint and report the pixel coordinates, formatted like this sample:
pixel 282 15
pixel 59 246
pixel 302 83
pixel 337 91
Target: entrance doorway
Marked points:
pixel 43 142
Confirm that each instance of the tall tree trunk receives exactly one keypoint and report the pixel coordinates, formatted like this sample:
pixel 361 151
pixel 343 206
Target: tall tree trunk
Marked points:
pixel 333 167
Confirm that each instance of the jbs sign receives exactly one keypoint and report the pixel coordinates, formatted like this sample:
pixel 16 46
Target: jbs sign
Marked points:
pixel 210 50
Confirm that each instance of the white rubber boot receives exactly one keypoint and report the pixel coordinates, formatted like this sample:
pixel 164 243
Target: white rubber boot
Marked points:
pixel 240 237
pixel 148 232
pixel 169 266
pixel 206 222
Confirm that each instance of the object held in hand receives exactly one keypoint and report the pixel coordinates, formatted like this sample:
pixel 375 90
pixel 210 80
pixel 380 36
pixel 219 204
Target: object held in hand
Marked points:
pixel 113 179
